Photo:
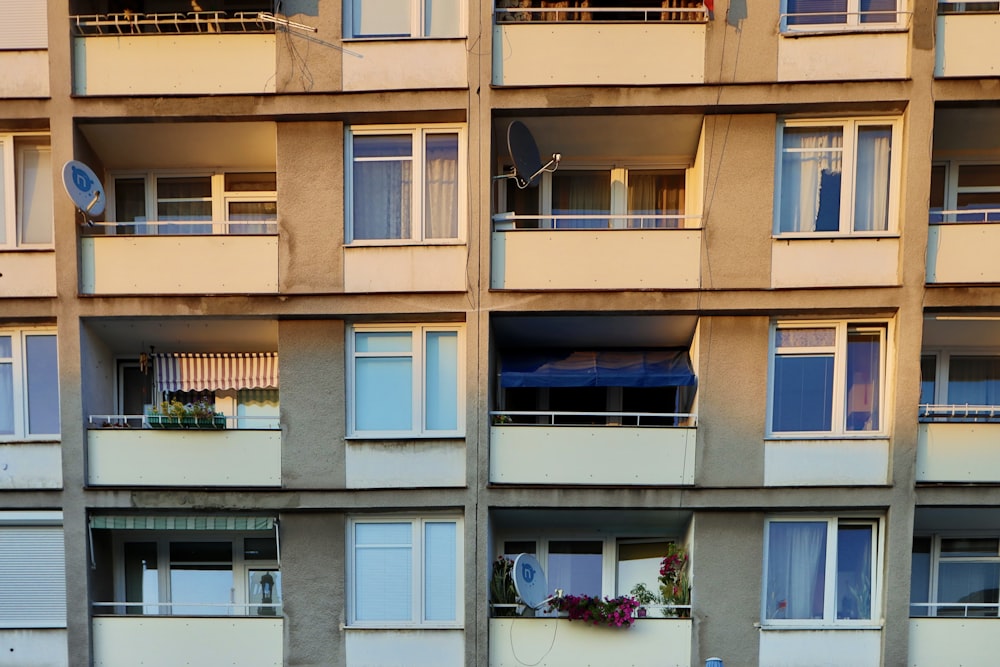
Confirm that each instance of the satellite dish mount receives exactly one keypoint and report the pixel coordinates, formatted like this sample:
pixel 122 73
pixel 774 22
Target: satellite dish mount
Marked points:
pixel 524 154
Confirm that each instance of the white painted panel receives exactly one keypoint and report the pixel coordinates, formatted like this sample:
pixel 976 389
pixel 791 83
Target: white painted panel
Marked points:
pixel 27 273
pixel 952 641
pixel 821 648
pixel 128 641
pixel 153 457
pixel 28 465
pixel 417 64
pixel 963 253
pixel 174 64
pixel 839 57
pixel 958 453
pixel 545 54
pixel 405 463
pixel 597 259
pixel 591 455
pixel 834 262
pixel 955 34
pixel 33 648
pixel 405 648
pixel 149 264
pixel 548 642
pixel 409 268
pixel 826 462
pixel 25 74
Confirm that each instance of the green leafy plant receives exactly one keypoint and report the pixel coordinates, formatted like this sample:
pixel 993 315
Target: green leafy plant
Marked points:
pixel 613 612
pixel 674 586
pixel 502 590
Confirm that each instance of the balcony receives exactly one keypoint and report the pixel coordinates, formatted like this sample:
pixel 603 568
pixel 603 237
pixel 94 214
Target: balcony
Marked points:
pixel 401 64
pixel 649 45
pixel 952 641
pixel 959 246
pixel 551 642
pixel 958 25
pixel 173 53
pixel 958 443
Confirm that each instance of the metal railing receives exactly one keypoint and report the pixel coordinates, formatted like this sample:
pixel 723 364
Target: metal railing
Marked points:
pixel 518 222
pixel 964 216
pixel 231 422
pixel 249 610
pixel 132 23
pixel 583 13
pixel 959 413
pixel 955 609
pixel 183 228
pixel 563 418
pixel 966 7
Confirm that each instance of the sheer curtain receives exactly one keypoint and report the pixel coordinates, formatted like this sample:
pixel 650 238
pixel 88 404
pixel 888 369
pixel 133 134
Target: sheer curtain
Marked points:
pixel 184 199
pixel 655 193
pixel 441 187
pixel 871 187
pixel 6 388
pixel 811 165
pixel 34 196
pixel 796 569
pixel 974 380
pixel 583 193
pixel 382 185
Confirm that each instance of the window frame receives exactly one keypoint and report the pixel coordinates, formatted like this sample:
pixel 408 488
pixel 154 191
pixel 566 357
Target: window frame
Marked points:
pixel 418 159
pixel 848 189
pixel 852 22
pixel 220 198
pixel 19 398
pixel 838 394
pixel 830 601
pixel 418 333
pixel 952 191
pixel 417 573
pixel 418 23
pixel 934 569
pixel 12 185
pixel 942 367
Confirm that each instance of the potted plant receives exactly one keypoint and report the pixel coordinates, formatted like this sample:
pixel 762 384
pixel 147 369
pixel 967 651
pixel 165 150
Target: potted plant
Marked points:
pixel 503 594
pixel 674 586
pixel 644 597
pixel 612 612
pixel 174 414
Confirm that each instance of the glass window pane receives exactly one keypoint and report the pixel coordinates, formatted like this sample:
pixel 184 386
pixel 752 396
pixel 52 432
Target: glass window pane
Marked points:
pixel 810 179
pixel 786 338
pixel 265 181
pixel 383 394
pixel 581 192
pixel 441 187
pixel 389 341
pixel 381 18
pixel 928 373
pixel 659 192
pixel 184 187
pixel 141 581
pixel 864 367
pixel 382 199
pixel 6 398
pixel 130 204
pixel 639 563
pixel 969 547
pixel 35 195
pixel 441 391
pixel 575 566
pixel 43 384
pixel 871 188
pixel 3 196
pixel 938 180
pixel 439 571
pixel 383 589
pixel 920 575
pixel 441 18
pixel 201 578
pixel 974 380
pixel 854 569
pixel 803 390
pixel 973 584
pixel 796 570
pixel 817 11
pixel 264 589
pixel 878 11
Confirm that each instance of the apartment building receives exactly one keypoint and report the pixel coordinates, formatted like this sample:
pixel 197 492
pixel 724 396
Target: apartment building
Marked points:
pixel 324 348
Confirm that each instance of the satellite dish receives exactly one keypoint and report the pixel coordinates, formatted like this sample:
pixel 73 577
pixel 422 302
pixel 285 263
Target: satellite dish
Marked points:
pixel 524 154
pixel 529 581
pixel 84 188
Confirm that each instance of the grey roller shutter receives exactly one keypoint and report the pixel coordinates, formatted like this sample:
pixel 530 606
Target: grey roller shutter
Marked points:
pixel 32 577
pixel 23 25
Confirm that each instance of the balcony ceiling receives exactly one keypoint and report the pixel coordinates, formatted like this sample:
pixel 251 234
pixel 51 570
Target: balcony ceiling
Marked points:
pixel 974 331
pixel 231 145
pixel 583 332
pixel 956 519
pixel 966 133
pixel 183 334
pixel 622 522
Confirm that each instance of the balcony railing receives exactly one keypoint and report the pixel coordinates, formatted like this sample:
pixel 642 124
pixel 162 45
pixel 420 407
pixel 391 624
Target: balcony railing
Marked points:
pixel 256 423
pixel 959 413
pixel 670 12
pixel 131 23
pixel 954 609
pixel 965 215
pixel 183 228
pixel 565 418
pixel 513 221
pixel 966 7
pixel 189 608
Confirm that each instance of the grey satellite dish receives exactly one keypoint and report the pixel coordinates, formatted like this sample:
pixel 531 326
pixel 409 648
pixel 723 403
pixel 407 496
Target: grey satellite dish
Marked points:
pixel 529 581
pixel 524 154
pixel 84 188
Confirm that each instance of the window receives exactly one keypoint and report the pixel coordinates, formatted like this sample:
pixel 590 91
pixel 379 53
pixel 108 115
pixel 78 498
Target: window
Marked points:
pixel 207 203
pixel 405 572
pixel 25 192
pixel 837 177
pixel 405 185
pixel 960 385
pixel 966 572
pixel 29 385
pixel 395 19
pixel 405 381
pixel 32 570
pixel 965 192
pixel 605 11
pixel 828 378
pixel 619 197
pixel 821 570
pixel 181 566
pixel 840 14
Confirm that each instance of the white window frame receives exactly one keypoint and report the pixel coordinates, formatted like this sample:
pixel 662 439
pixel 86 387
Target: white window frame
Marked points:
pixel 838 419
pixel 220 197
pixel 935 566
pixel 418 154
pixel 18 360
pixel 418 27
pixel 417 598
pixel 851 24
pixel 942 366
pixel 11 195
pixel 241 567
pixel 418 334
pixel 830 599
pixel 850 128
pixel 952 190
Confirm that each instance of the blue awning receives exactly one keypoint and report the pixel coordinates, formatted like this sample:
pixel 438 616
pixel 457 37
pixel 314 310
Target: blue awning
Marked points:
pixel 607 368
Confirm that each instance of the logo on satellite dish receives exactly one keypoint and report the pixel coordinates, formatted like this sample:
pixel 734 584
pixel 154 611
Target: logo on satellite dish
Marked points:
pixel 81 179
pixel 527 572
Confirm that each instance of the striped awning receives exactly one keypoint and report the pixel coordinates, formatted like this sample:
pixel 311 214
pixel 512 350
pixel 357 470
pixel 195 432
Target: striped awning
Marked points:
pixel 212 372
pixel 174 522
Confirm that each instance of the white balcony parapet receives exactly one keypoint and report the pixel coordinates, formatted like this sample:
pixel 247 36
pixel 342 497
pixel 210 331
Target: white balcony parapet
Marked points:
pixel 958 448
pixel 663 14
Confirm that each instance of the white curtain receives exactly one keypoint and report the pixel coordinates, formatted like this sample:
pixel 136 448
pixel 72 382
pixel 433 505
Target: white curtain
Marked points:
pixel 441 187
pixel 383 570
pixel 440 562
pixel 871 188
pixel 6 394
pixel 655 193
pixel 382 185
pixel 34 201
pixel 811 166
pixel 581 192
pixel 974 380
pixel 796 575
